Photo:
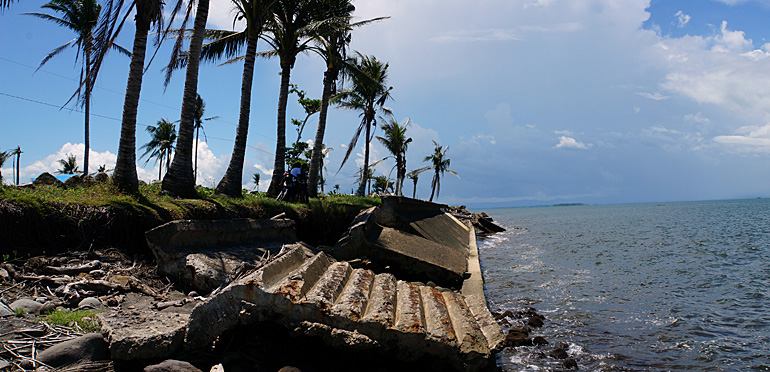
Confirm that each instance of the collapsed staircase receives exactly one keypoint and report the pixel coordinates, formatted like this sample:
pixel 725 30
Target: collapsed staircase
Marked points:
pixel 352 308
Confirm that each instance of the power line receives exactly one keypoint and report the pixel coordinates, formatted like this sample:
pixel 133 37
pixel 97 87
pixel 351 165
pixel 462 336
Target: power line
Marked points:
pixel 113 118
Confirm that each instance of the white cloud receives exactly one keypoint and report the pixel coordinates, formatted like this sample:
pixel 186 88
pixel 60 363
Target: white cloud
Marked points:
pixel 682 19
pixel 487 35
pixel 571 143
pixel 657 96
pixel 748 138
pixel 51 163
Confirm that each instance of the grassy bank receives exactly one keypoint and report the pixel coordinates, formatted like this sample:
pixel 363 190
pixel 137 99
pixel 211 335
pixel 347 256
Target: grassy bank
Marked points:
pixel 51 219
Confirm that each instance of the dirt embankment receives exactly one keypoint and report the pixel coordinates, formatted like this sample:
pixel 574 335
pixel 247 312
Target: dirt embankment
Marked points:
pixel 27 230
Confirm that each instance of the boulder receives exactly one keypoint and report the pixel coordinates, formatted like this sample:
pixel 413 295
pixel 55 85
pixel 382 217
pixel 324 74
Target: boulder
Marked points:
pixel 47 179
pixel 78 181
pixel 90 303
pixel 172 365
pixel 26 305
pixel 559 353
pixel 90 347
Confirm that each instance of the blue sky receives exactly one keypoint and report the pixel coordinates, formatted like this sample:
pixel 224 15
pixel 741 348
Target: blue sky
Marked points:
pixel 539 101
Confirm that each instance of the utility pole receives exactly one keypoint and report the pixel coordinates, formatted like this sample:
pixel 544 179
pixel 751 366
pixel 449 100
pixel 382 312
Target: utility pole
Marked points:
pixel 18 157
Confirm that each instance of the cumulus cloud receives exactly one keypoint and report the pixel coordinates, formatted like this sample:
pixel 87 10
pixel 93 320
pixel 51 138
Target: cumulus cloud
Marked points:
pixel 682 19
pixel 571 143
pixel 657 96
pixel 51 163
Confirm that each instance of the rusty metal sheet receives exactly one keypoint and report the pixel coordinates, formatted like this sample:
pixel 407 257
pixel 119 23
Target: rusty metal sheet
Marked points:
pixel 352 302
pixel 409 313
pixel 382 302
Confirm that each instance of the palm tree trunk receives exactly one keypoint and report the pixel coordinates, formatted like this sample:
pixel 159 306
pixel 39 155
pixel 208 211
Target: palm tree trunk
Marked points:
pixel 365 174
pixel 195 167
pixel 414 190
pixel 433 186
pixel 280 146
pixel 316 159
pixel 125 167
pixel 87 137
pixel 231 183
pixel 179 179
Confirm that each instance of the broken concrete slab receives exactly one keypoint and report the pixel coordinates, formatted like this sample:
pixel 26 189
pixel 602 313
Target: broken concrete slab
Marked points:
pixel 416 239
pixel 206 254
pixel 354 309
pixel 138 330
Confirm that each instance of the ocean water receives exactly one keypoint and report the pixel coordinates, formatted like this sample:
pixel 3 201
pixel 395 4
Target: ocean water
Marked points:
pixel 643 287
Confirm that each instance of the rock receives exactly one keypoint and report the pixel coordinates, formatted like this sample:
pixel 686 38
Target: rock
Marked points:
pixel 536 321
pixel 5 310
pixel 78 181
pixel 559 353
pixel 4 276
pixel 28 306
pixel 90 303
pixel 102 177
pixel 47 179
pixel 569 364
pixel 218 368
pixel 91 347
pixel 49 306
pixel 539 340
pixel 289 369
pixel 171 365
pixel 517 337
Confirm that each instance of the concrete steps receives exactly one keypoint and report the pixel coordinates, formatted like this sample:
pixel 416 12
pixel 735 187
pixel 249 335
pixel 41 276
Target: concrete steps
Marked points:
pixel 353 308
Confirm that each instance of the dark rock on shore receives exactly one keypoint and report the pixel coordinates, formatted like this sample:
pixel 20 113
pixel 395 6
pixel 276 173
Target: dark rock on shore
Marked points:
pixel 172 365
pixel 517 337
pixel 570 364
pixel 91 347
pixel 559 353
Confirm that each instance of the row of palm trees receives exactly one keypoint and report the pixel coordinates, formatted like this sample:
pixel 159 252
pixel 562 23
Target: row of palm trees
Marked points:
pixel 289 27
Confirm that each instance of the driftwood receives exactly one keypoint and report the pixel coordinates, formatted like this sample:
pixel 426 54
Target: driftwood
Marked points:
pixel 73 270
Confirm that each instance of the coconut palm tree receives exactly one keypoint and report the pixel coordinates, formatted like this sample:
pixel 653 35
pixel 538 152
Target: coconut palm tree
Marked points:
pixel 161 144
pixel 5 4
pixel 179 180
pixel 289 31
pixel 396 142
pixel 80 16
pixel 230 44
pixel 331 44
pixel 440 164
pixel 4 155
pixel 200 109
pixel 148 15
pixel 69 165
pixel 368 93
pixel 414 175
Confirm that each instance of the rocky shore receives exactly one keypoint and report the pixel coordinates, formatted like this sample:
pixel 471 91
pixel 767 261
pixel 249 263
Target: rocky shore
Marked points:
pixel 139 314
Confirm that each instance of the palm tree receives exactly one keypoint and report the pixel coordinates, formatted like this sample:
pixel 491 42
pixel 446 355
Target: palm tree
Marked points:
pixel 161 143
pixel 200 109
pixel 4 155
pixel 179 180
pixel 368 93
pixel 440 164
pixel 80 16
pixel 331 44
pixel 229 44
pixel 69 165
pixel 396 142
pixel 289 31
pixel 414 175
pixel 148 15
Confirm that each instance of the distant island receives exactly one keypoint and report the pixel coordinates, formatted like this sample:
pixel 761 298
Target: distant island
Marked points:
pixel 568 205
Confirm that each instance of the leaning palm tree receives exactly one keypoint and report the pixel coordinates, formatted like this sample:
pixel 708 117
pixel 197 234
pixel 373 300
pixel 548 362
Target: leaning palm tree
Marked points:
pixel 440 164
pixel 396 142
pixel 254 12
pixel 69 165
pixel 161 144
pixel 179 180
pixel 4 155
pixel 414 175
pixel 80 16
pixel 148 15
pixel 368 93
pixel 331 44
pixel 289 31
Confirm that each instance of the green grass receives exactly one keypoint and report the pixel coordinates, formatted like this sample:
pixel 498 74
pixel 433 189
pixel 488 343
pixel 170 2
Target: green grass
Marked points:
pixel 69 318
pixel 149 199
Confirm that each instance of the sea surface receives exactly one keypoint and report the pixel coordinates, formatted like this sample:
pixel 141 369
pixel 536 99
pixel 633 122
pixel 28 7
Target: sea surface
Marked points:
pixel 640 287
